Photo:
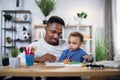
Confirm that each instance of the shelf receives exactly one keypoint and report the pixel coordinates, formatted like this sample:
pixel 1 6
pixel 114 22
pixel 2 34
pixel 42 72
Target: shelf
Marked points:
pixel 67 26
pixel 17 11
pixel 22 21
pixel 11 29
pixel 9 46
pixel 22 40
pixel 39 26
pixel 87 39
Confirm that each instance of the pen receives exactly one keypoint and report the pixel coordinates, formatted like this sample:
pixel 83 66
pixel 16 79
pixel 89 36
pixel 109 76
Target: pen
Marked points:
pixel 25 49
pixel 28 50
pixel 34 49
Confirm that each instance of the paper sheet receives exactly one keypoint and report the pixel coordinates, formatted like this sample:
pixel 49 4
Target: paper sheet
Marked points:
pixel 60 64
pixel 54 64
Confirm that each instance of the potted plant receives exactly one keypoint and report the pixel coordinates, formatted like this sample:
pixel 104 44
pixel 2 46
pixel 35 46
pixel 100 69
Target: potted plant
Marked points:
pixel 100 46
pixel 14 61
pixel 7 17
pixel 46 6
pixel 82 15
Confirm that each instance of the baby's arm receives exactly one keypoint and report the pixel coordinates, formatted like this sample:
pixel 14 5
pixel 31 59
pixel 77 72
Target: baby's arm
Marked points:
pixel 87 57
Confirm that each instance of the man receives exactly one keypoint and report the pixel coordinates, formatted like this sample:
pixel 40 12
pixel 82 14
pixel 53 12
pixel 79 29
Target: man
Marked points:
pixel 50 47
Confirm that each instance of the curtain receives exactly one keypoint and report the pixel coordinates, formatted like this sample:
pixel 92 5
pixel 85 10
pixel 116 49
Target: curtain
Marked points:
pixel 109 30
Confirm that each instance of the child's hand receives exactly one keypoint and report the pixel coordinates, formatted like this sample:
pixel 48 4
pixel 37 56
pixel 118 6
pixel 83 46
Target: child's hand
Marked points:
pixel 66 61
pixel 87 57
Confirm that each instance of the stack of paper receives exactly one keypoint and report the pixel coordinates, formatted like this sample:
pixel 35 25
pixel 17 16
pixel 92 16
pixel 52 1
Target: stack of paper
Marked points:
pixel 54 64
pixel 110 64
pixel 60 64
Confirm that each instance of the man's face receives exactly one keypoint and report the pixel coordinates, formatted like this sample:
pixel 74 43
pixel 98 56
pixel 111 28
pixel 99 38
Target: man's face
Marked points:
pixel 53 32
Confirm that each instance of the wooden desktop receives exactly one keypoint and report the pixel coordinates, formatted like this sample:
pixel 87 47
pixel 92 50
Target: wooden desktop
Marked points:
pixel 39 69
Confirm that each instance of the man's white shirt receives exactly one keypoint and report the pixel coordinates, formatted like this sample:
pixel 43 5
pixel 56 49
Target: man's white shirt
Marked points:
pixel 43 48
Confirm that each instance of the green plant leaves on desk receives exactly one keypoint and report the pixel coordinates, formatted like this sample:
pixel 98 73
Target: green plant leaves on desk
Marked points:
pixel 14 52
pixel 82 15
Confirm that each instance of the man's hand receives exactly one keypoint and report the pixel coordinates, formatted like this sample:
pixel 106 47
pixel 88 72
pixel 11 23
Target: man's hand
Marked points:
pixel 47 57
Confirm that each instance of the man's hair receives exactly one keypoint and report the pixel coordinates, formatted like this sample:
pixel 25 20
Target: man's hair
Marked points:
pixel 77 34
pixel 56 19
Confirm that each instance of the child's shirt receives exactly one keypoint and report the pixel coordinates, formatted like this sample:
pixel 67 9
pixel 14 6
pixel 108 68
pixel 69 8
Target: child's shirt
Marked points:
pixel 76 55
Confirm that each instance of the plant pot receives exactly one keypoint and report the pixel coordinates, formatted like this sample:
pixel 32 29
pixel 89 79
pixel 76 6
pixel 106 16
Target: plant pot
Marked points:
pixel 14 62
pixel 5 61
pixel 0 60
pixel 45 21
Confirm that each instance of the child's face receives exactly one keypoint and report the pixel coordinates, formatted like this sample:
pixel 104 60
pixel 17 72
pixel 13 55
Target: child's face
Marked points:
pixel 74 43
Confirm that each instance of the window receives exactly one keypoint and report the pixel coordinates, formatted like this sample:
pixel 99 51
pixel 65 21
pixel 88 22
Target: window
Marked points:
pixel 118 25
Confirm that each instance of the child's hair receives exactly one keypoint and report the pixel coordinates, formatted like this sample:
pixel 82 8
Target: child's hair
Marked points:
pixel 77 34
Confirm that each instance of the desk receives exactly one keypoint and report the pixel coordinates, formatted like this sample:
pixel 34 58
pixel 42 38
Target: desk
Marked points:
pixel 39 69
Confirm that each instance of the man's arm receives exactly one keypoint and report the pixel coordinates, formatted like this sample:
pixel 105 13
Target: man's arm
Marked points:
pixel 47 57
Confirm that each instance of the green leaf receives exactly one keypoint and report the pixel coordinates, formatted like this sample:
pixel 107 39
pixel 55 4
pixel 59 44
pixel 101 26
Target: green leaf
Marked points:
pixel 46 6
pixel 14 52
pixel 82 15
pixel 78 14
pixel 7 16
pixel 100 47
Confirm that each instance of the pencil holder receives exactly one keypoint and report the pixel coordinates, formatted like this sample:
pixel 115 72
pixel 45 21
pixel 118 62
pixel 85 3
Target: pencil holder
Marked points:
pixel 29 59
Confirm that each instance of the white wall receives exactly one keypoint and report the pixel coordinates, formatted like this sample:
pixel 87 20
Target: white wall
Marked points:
pixel 66 9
